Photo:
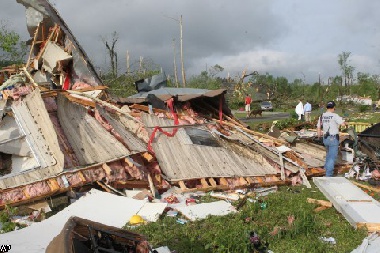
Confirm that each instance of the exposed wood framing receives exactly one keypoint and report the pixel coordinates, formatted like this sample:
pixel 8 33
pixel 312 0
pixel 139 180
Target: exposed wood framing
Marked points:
pixel 212 184
pixel 145 108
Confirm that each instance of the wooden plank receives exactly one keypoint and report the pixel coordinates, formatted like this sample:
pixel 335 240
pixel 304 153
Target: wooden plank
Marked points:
pixel 374 189
pixel 151 185
pixel 84 102
pixel 182 185
pixel 242 181
pixel 212 182
pixel 33 43
pixel 146 108
pixel 372 227
pixel 223 181
pixel 147 156
pixel 320 202
pixel 204 183
pixel 38 57
pixel 282 166
pixel 106 168
pixel 92 88
pixel 250 180
pixel 103 186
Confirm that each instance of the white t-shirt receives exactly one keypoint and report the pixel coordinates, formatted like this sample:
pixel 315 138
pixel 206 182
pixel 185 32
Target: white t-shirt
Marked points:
pixel 330 122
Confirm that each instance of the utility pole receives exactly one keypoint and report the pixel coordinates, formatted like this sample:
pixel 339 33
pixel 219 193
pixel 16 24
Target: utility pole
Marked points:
pixel 181 40
pixel 141 61
pixel 175 65
pixel 183 68
pixel 128 70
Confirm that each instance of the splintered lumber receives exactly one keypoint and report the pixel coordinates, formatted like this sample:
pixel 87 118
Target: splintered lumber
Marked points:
pixel 92 88
pixel 33 43
pixel 145 108
pixel 83 102
pixel 320 208
pixel 374 189
pixel 371 227
pixel 320 202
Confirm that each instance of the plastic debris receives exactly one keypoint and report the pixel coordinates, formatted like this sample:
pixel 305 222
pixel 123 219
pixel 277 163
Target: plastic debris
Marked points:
pixel 181 221
pixel 330 240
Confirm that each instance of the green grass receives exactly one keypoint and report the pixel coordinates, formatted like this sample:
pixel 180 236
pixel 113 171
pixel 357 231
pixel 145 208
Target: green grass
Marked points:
pixel 231 233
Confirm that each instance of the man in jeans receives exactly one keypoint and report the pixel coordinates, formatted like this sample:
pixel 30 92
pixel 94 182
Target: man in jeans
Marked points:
pixel 330 122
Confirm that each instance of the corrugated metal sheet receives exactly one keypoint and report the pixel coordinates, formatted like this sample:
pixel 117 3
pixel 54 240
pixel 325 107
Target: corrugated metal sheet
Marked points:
pixel 180 160
pixel 131 140
pixel 33 121
pixel 164 93
pixel 89 140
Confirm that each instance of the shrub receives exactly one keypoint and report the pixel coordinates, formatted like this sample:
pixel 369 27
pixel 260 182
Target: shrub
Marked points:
pixel 364 108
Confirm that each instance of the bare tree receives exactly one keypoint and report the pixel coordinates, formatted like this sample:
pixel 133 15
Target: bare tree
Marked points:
pixel 343 62
pixel 181 40
pixel 112 53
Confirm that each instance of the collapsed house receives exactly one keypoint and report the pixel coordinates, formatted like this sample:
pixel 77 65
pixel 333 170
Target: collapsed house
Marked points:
pixel 61 130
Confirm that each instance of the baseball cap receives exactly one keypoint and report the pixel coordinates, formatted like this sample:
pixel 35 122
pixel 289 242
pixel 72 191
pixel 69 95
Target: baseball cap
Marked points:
pixel 330 104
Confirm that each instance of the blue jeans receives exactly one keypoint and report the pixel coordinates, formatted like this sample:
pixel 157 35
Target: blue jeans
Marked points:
pixel 332 144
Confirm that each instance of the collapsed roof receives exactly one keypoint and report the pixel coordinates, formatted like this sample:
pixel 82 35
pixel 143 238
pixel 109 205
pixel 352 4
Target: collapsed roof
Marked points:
pixel 60 130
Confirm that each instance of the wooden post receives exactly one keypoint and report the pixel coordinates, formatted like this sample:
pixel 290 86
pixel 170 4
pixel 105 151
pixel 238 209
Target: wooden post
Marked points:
pixel 282 166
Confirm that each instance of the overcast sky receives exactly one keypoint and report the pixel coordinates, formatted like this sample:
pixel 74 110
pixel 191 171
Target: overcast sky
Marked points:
pixel 291 38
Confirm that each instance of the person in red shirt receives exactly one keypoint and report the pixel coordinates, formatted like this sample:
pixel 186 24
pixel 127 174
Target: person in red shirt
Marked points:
pixel 247 102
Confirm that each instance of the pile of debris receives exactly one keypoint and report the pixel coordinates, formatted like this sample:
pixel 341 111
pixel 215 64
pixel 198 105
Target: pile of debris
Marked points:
pixel 61 130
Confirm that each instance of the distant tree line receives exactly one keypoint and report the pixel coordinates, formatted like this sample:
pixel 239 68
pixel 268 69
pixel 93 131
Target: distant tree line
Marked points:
pixel 277 89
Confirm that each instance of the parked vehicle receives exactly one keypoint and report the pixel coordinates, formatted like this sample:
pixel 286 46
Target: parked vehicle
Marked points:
pixel 266 106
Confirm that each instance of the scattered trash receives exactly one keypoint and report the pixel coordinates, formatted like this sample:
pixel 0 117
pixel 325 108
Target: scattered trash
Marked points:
pixel 172 213
pixel 171 199
pixel 162 249
pixel 330 240
pixel 263 205
pixel 261 192
pixel 225 195
pixel 257 244
pixel 181 221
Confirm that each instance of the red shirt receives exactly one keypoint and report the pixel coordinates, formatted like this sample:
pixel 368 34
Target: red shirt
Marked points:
pixel 248 100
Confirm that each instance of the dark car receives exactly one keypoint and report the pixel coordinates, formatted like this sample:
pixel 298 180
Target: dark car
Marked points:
pixel 266 106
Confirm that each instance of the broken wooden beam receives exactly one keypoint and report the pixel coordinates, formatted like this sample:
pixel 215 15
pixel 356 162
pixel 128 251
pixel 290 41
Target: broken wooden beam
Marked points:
pixel 367 187
pixel 320 202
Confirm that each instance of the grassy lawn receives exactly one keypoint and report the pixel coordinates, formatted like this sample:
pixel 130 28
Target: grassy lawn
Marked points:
pixel 231 233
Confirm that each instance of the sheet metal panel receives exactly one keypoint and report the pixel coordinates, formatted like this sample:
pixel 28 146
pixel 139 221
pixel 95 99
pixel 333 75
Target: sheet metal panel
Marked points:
pixel 355 205
pixel 180 161
pixel 89 140
pixel 164 93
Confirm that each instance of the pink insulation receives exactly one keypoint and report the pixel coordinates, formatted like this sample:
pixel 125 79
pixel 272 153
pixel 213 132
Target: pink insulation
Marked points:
pixel 12 196
pixel 133 171
pixel 74 179
pixel 80 85
pixel 50 104
pixel 93 175
pixel 37 189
